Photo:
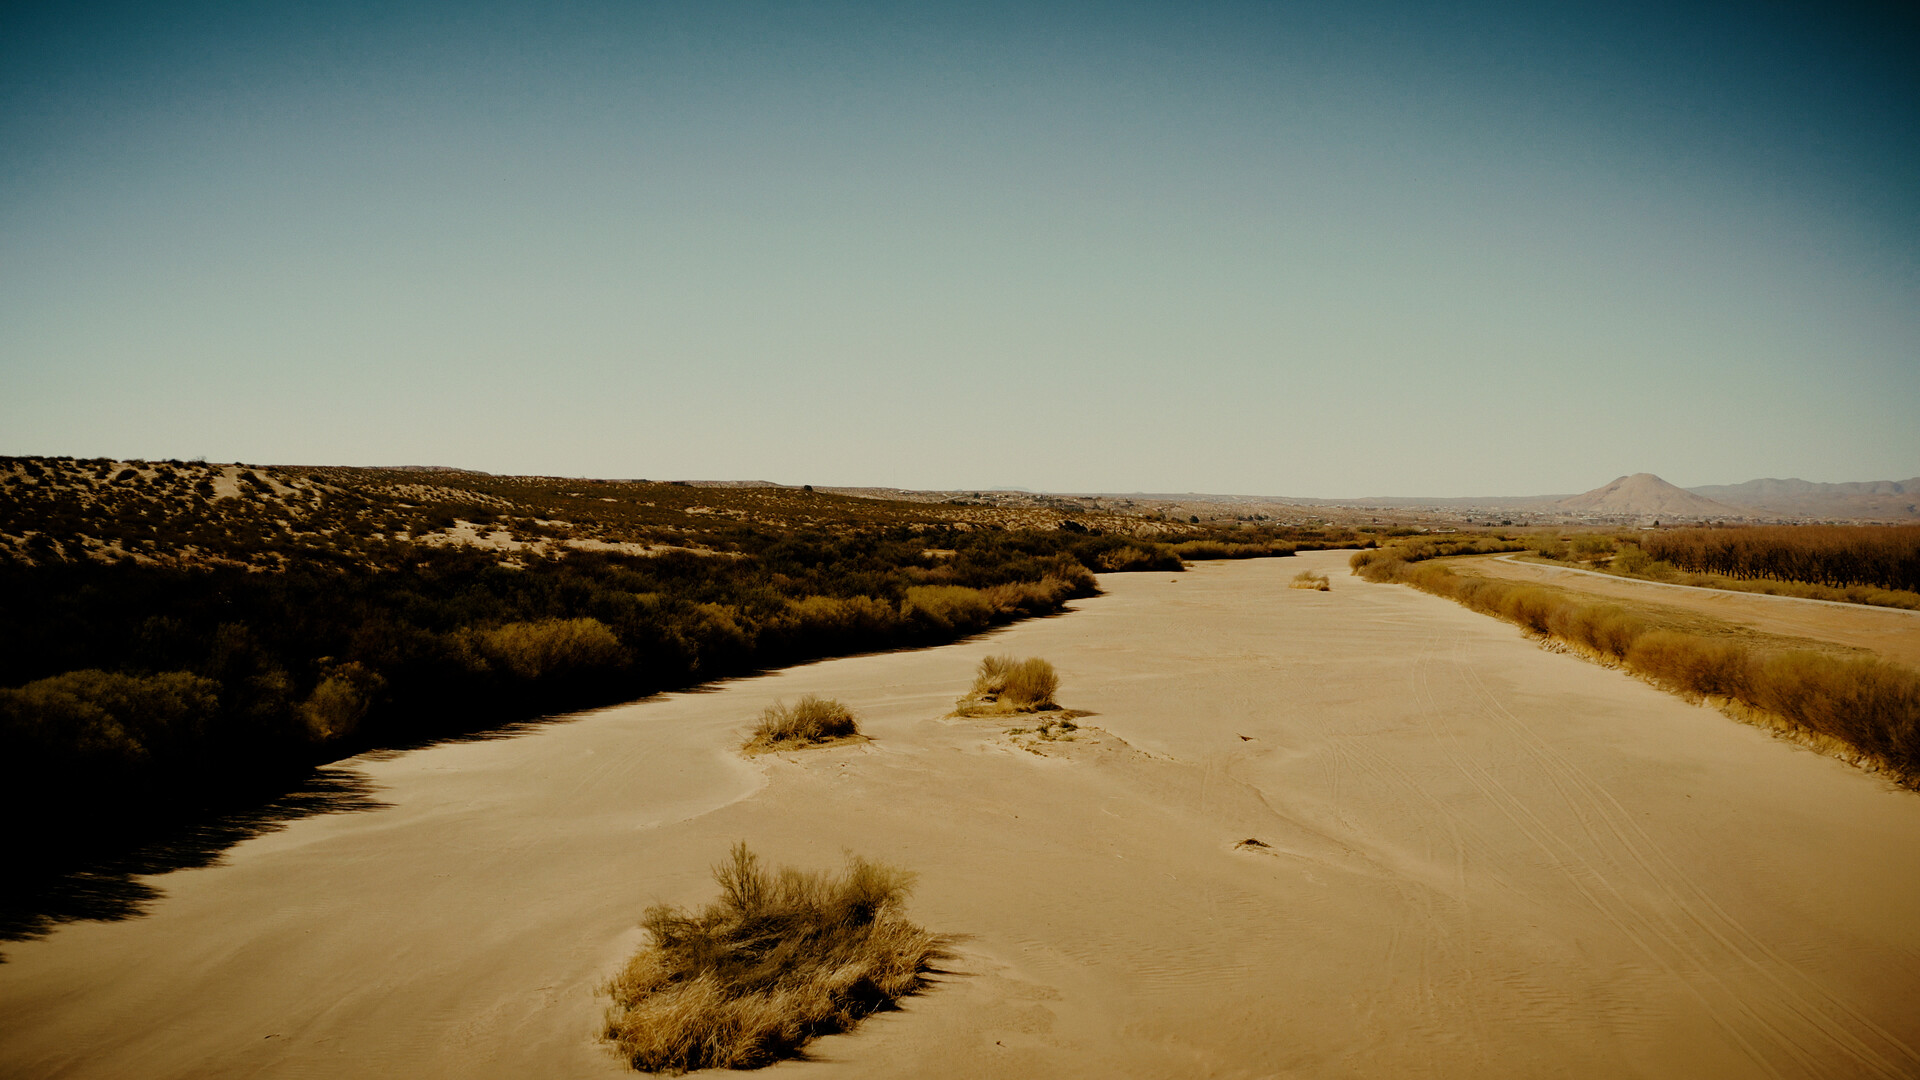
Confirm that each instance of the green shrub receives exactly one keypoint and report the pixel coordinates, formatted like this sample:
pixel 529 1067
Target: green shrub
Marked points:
pixel 1590 546
pixel 779 959
pixel 1135 558
pixel 533 650
pixel 106 717
pixel 841 616
pixel 949 607
pixel 339 702
pixel 1631 560
pixel 1198 550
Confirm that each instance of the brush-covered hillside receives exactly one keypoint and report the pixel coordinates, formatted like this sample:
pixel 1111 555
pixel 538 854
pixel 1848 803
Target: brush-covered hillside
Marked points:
pixel 194 512
pixel 178 635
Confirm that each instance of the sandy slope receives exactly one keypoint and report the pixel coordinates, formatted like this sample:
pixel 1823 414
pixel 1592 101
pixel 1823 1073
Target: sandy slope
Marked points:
pixel 1893 633
pixel 1486 860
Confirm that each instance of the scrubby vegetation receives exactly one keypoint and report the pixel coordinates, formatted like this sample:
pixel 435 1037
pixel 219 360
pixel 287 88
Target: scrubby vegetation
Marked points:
pixel 806 722
pixel 1423 548
pixel 779 959
pixel 1866 708
pixel 1199 550
pixel 1004 684
pixel 181 637
pixel 136 692
pixel 1310 579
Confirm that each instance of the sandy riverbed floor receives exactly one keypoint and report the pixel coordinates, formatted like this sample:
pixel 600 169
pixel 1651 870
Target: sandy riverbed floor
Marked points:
pixel 1484 859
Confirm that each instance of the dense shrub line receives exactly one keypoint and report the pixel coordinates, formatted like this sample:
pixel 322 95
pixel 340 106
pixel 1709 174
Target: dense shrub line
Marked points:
pixel 1426 548
pixel 1868 706
pixel 132 692
pixel 1199 550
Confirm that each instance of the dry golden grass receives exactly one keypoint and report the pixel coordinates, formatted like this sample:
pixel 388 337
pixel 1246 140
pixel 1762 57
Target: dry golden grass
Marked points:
pixel 810 721
pixel 780 958
pixel 1308 579
pixel 1006 685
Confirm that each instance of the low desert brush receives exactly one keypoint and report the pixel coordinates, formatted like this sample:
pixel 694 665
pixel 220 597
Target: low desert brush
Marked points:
pixel 1308 579
pixel 780 958
pixel 1004 684
pixel 809 720
pixel 1050 729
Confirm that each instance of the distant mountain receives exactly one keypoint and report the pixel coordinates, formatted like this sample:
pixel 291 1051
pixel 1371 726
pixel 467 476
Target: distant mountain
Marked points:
pixel 1646 495
pixel 1884 500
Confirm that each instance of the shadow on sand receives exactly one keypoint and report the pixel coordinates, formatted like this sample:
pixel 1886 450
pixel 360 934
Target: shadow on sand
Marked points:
pixel 111 889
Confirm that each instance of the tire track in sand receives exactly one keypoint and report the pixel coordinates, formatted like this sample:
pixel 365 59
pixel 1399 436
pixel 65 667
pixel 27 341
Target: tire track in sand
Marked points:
pixel 1799 1021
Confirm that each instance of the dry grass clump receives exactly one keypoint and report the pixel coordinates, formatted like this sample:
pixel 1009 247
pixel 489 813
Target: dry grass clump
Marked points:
pixel 780 958
pixel 1004 684
pixel 809 721
pixel 1870 706
pixel 1308 579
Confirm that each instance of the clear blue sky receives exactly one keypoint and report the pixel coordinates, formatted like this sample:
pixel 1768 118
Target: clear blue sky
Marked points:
pixel 1308 249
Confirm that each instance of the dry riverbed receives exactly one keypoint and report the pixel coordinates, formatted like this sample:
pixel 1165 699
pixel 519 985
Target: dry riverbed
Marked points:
pixel 1477 858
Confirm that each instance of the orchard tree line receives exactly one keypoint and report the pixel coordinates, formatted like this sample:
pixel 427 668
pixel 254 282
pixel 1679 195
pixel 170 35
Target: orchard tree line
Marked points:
pixel 1883 556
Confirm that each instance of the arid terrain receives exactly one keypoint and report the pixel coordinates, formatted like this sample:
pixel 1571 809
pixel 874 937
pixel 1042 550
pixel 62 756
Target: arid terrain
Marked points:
pixel 1890 633
pixel 1476 858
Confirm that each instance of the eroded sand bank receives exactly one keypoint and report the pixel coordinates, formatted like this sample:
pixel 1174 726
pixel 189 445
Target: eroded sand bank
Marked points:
pixel 1484 860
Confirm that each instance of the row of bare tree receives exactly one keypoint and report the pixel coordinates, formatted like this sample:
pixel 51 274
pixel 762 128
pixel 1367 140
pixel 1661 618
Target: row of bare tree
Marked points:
pixel 1886 556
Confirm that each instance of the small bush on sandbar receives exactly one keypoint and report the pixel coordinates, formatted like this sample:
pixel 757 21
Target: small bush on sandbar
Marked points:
pixel 809 720
pixel 1308 579
pixel 1004 684
pixel 780 958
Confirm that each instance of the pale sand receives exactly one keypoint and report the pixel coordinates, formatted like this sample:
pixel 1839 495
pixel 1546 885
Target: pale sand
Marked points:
pixel 1487 860
pixel 1893 633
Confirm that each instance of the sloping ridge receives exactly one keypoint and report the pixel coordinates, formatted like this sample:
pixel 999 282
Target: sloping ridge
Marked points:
pixel 1795 486
pixel 1894 500
pixel 1647 495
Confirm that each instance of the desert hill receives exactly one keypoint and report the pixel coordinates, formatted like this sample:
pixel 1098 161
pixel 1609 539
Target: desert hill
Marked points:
pixel 1646 495
pixel 1886 500
pixel 178 512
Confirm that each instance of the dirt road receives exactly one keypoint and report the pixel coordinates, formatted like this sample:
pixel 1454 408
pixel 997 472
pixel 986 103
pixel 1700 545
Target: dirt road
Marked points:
pixel 1482 859
pixel 1893 633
